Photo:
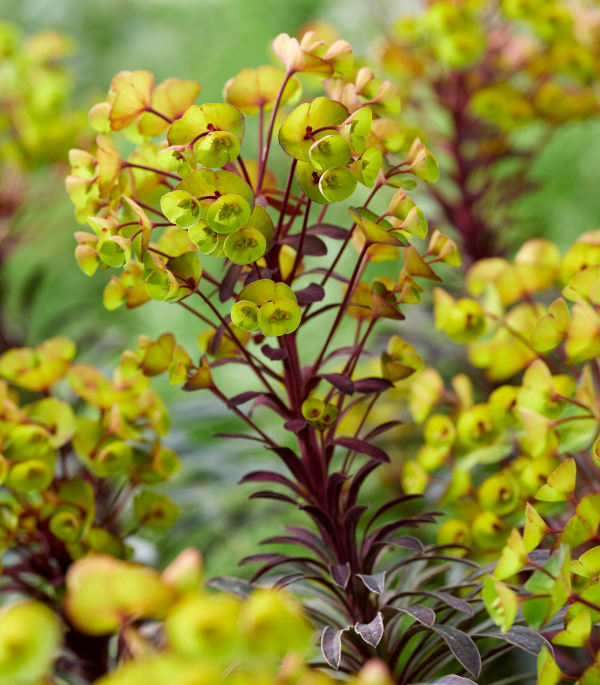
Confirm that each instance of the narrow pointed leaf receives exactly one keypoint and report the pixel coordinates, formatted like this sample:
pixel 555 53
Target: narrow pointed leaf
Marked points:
pixel 363 447
pixel 462 646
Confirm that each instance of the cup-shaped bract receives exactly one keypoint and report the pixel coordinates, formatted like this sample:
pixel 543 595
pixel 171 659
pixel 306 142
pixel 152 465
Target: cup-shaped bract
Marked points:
pixel 244 314
pixel 279 317
pixel 337 184
pixel 245 245
pixel 308 123
pixel 357 128
pixel 330 151
pixel 255 89
pixel 216 149
pixel 265 290
pixel 181 208
pixel 103 593
pixel 204 238
pixel 30 636
pixel 114 250
pixel 368 166
pixel 204 625
pixel 30 476
pixel 228 213
pixel 199 121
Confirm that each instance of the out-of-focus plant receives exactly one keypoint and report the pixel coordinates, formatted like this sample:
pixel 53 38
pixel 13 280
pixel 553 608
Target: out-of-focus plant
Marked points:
pixel 67 476
pixel 37 125
pixel 519 471
pixel 264 338
pixel 487 83
pixel 175 631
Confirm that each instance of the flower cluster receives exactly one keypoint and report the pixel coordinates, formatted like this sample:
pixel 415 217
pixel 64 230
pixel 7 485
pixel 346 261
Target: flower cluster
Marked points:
pixel 517 472
pixel 487 85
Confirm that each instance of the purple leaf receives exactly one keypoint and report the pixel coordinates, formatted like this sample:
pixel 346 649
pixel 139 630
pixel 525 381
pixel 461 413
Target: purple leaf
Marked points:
pixel 274 353
pixel 295 425
pixel 290 579
pixel 372 385
pixel 311 245
pixel 407 542
pixel 524 638
pixel 269 399
pixel 295 540
pixel 371 632
pixel 269 494
pixel 319 517
pixel 312 293
pixel 237 436
pixel 290 459
pixel 234 586
pixel 453 680
pixel 402 499
pixel 359 478
pixel 309 539
pixel 339 381
pixel 242 398
pixel 331 646
pixel 450 600
pixel 216 341
pixel 462 646
pixel 340 574
pixel 343 351
pixel 422 614
pixel 329 231
pixel 268 477
pixel 363 447
pixel 374 582
pixel 228 282
pixel 335 483
pixel 382 428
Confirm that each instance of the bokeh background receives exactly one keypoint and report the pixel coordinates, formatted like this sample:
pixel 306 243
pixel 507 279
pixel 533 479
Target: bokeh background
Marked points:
pixel 45 294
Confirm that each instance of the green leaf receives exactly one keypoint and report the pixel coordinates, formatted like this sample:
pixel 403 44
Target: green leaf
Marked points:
pixel 561 483
pixel 548 672
pixel 577 631
pixel 584 525
pixel 500 601
pixel 535 528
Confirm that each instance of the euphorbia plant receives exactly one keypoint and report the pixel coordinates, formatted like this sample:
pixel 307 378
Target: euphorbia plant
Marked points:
pixel 67 478
pixel 488 83
pixel 286 306
pixel 520 466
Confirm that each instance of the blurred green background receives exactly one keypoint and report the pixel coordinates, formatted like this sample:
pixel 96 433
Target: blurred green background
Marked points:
pixel 46 294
